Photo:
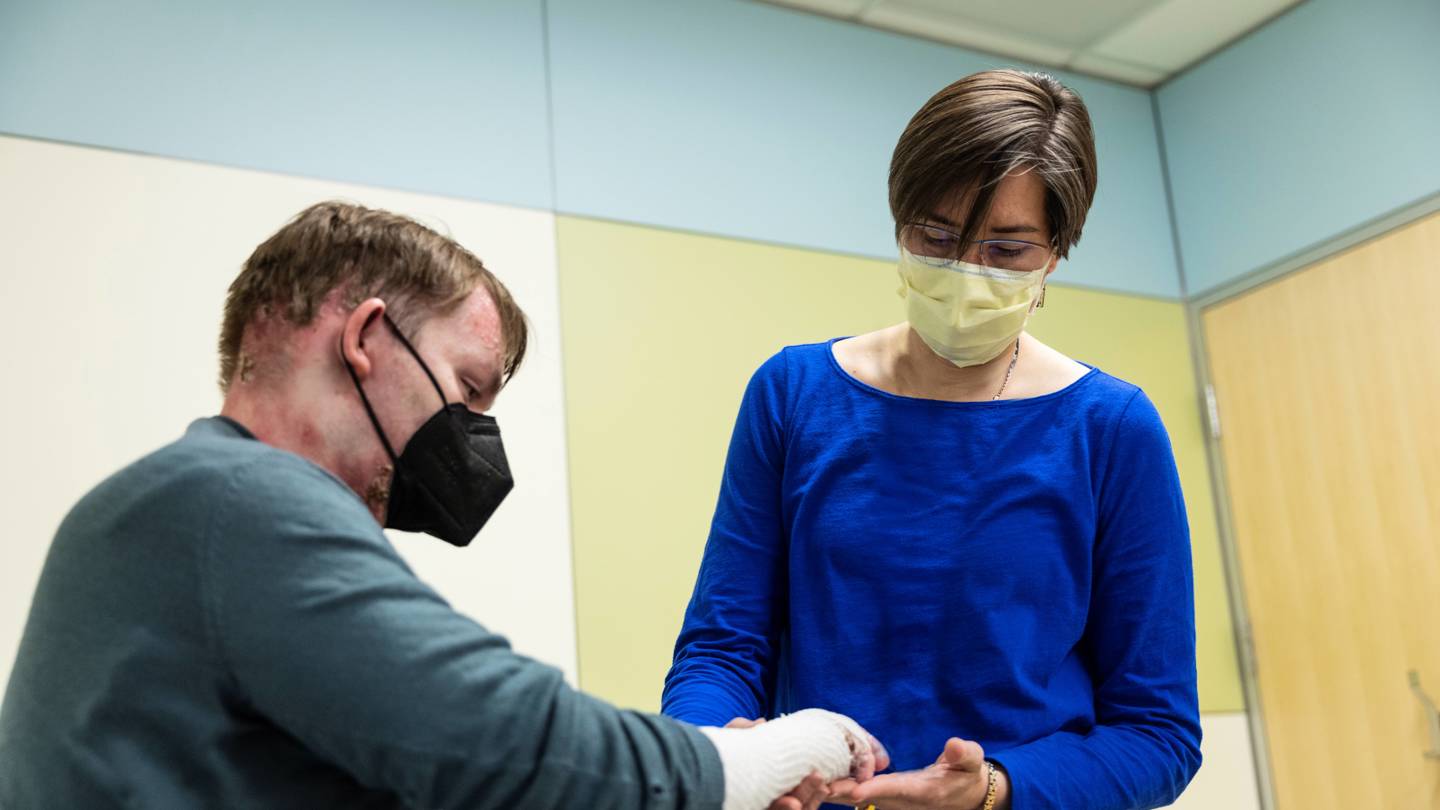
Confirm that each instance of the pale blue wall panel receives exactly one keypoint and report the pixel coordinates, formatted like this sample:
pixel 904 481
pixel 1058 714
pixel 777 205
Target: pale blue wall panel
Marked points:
pixel 438 96
pixel 747 120
pixel 1325 118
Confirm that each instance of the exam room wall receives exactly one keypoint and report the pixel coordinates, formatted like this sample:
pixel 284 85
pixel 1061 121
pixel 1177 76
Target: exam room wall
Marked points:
pixel 662 329
pixel 729 117
pixel 748 120
pixel 113 271
pixel 1321 120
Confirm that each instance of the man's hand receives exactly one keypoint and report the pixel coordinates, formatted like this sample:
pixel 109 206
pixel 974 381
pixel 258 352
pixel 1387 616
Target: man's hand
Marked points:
pixel 957 781
pixel 814 791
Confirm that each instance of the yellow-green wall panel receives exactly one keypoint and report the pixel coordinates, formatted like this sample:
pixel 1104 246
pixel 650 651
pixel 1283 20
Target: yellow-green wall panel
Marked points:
pixel 1146 341
pixel 662 330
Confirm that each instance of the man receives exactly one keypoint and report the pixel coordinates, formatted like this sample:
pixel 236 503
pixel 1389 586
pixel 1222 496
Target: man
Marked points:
pixel 224 624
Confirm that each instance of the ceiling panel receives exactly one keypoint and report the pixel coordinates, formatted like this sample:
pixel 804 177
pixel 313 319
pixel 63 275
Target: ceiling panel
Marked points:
pixel 908 19
pixel 1179 33
pixel 1138 42
pixel 1116 69
pixel 832 8
pixel 1075 24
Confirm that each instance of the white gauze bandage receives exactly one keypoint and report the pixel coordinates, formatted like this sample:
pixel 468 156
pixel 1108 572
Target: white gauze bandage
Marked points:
pixel 764 762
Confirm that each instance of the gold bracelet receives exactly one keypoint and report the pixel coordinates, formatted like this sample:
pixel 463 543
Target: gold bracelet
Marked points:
pixel 991 787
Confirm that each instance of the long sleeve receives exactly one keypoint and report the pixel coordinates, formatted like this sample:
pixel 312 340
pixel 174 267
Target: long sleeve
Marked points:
pixel 327 634
pixel 725 655
pixel 1139 642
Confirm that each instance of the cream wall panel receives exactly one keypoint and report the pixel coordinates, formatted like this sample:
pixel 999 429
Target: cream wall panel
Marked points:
pixel 1147 342
pixel 113 269
pixel 1226 780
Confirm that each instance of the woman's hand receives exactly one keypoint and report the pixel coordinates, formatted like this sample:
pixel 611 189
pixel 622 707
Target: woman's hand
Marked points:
pixel 957 781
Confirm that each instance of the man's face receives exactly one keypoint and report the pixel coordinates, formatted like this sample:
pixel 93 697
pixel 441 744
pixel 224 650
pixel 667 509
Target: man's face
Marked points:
pixel 463 348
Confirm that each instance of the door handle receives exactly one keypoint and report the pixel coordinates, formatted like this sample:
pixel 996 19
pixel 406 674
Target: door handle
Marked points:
pixel 1432 716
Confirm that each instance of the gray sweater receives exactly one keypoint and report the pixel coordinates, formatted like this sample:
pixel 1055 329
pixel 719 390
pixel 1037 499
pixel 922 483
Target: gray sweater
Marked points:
pixel 223 624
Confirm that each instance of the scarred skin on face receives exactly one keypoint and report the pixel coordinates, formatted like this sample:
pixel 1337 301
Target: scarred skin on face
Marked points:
pixel 293 390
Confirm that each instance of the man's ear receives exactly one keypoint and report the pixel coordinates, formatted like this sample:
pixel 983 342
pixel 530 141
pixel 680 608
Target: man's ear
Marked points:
pixel 1054 260
pixel 359 325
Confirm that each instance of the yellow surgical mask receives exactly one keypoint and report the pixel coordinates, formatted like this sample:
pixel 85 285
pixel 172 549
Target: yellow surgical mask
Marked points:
pixel 966 313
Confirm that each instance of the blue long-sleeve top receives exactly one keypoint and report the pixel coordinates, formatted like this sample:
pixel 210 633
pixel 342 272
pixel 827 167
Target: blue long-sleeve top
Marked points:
pixel 1016 573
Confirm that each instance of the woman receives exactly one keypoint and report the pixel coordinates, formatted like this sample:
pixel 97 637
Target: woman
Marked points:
pixel 947 529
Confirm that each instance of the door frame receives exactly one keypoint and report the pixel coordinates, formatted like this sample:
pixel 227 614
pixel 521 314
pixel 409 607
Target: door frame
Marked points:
pixel 1195 306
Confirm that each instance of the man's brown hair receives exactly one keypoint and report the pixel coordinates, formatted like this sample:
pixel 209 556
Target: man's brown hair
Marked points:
pixel 365 253
pixel 966 138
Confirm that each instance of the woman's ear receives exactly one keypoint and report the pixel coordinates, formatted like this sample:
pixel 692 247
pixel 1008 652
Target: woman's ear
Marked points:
pixel 356 329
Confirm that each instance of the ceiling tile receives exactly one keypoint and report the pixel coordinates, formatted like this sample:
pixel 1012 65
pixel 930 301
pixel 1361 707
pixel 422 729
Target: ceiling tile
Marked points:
pixel 1177 33
pixel 1065 22
pixel 910 18
pixel 832 8
pixel 1120 71
pixel 1139 42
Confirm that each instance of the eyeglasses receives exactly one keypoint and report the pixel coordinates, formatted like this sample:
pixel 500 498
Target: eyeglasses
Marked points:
pixel 938 246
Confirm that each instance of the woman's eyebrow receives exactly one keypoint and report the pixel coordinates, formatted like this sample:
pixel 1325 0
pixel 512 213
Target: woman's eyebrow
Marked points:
pixel 1016 228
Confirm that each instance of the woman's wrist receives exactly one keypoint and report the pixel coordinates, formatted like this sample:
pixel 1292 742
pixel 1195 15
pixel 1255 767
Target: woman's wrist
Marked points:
pixel 1002 788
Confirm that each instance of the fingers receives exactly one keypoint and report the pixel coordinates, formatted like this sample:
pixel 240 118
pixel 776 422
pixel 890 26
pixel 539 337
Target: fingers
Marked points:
pixel 842 790
pixel 862 766
pixel 882 757
pixel 869 763
pixel 866 752
pixel 812 791
pixel 742 722
pixel 962 755
pixel 808 795
pixel 893 788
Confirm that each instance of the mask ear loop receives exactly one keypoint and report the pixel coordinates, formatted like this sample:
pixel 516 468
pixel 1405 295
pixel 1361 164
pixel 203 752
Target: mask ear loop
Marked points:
pixel 390 451
pixel 444 403
pixel 365 400
pixel 1045 282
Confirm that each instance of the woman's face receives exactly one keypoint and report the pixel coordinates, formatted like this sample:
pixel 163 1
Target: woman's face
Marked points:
pixel 1017 211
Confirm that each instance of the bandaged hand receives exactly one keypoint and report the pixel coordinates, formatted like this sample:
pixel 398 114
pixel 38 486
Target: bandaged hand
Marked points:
pixel 788 763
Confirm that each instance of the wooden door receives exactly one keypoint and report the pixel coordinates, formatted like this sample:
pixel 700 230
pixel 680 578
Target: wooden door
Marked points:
pixel 1328 385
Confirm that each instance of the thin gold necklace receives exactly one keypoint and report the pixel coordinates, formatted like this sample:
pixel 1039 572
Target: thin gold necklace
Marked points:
pixel 1009 371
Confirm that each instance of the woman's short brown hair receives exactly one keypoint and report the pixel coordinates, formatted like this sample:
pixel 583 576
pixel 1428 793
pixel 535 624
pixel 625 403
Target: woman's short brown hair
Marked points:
pixel 365 253
pixel 967 137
